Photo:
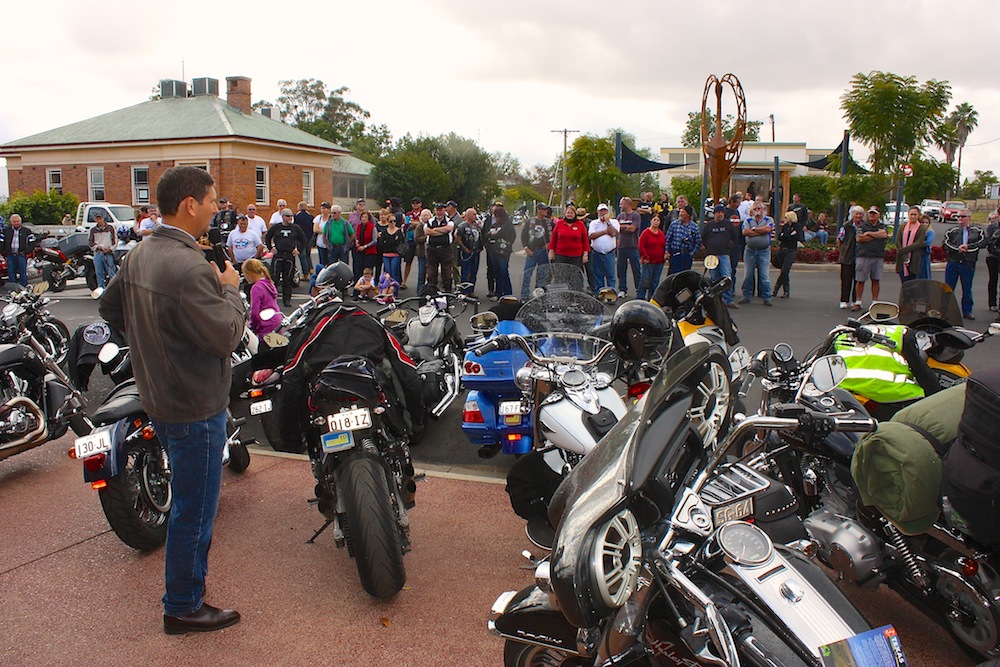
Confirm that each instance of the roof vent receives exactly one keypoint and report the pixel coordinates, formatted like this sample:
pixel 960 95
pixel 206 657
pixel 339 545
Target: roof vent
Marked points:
pixel 172 88
pixel 205 86
pixel 269 112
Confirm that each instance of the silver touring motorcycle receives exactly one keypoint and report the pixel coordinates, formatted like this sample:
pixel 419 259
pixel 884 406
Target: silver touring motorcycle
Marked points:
pixel 670 552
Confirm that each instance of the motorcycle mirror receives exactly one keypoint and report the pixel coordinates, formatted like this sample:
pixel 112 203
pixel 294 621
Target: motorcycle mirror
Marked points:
pixel 97 293
pixel 828 372
pixel 275 340
pixel 883 311
pixel 108 352
pixel 484 322
pixel 268 313
pixel 783 352
pixel 40 288
pixel 711 262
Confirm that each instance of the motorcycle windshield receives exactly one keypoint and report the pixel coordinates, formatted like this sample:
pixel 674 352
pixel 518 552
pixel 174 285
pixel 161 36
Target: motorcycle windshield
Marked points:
pixel 928 302
pixel 562 311
pixel 558 278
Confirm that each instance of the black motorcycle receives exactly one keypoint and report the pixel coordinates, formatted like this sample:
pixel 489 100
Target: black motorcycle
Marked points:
pixel 38 401
pixel 28 309
pixel 65 259
pixel 668 552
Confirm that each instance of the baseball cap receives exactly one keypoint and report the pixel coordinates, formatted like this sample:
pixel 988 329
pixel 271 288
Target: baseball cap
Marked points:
pixel 438 204
pixel 451 202
pixel 240 216
pixel 223 200
pixel 874 209
pixel 719 208
pixel 325 204
pixel 498 203
pixel 416 200
pixel 361 199
pixel 603 207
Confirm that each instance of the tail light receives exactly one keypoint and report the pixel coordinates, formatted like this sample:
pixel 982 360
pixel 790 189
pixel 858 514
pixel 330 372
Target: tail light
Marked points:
pixel 94 463
pixel 635 391
pixel 474 368
pixel 471 414
pixel 260 377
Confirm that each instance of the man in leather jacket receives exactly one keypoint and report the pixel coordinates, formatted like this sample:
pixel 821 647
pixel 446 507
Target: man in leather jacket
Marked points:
pixel 961 245
pixel 287 241
pixel 18 242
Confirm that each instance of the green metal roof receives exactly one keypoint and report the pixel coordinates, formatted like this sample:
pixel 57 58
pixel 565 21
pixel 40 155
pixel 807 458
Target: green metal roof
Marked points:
pixel 174 118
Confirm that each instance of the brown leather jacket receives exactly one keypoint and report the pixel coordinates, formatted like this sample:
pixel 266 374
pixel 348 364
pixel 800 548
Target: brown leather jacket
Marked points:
pixel 180 323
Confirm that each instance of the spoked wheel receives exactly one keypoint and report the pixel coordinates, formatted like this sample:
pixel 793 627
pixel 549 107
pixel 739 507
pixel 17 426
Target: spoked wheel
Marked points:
pixel 977 628
pixel 516 654
pixel 55 279
pixel 137 500
pixel 713 400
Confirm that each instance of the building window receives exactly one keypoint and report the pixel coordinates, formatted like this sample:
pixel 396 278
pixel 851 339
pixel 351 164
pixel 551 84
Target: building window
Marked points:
pixel 140 185
pixel 307 187
pixel 95 177
pixel 200 165
pixel 261 188
pixel 53 180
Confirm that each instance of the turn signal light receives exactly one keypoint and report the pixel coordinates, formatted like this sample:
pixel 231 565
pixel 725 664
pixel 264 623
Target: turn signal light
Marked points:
pixel 970 567
pixel 513 437
pixel 635 391
pixel 99 484
pixel 148 433
pixel 256 393
pixel 72 453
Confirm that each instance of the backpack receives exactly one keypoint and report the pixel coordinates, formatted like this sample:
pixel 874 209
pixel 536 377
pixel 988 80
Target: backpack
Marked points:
pixel 971 474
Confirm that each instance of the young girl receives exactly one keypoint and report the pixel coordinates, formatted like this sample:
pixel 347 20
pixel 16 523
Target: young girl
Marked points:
pixel 365 287
pixel 652 254
pixel 263 295
pixel 387 286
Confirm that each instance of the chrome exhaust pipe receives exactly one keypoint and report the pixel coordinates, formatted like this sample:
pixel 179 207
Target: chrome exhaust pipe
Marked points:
pixel 453 389
pixel 31 439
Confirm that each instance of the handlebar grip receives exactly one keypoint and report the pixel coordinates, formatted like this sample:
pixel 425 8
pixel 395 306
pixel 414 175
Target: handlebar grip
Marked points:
pixel 856 425
pixel 498 343
pixel 883 340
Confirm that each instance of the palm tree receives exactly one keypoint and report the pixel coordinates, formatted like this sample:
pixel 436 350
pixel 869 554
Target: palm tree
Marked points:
pixel 965 120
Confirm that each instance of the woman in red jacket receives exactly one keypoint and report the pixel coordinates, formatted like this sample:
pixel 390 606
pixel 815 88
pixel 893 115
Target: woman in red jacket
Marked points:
pixel 652 254
pixel 570 240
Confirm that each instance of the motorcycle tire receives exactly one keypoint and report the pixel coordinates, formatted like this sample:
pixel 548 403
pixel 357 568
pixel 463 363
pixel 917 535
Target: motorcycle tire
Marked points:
pixel 516 654
pixel 239 456
pixel 137 500
pixel 54 336
pixel 90 275
pixel 372 530
pixel 56 282
pixel 982 637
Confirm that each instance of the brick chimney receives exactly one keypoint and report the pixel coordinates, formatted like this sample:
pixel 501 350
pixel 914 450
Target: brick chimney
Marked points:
pixel 238 93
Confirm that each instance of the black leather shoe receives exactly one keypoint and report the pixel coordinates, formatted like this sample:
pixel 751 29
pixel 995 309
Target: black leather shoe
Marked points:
pixel 206 619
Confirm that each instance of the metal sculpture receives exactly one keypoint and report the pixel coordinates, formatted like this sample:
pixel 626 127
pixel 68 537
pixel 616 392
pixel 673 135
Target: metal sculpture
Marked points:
pixel 722 155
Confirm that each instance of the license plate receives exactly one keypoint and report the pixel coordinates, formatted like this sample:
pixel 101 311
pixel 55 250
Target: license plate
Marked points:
pixel 733 511
pixel 260 407
pixel 350 420
pixel 337 442
pixel 510 408
pixel 95 443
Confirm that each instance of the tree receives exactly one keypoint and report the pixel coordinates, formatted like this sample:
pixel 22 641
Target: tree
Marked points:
pixel 931 179
pixel 864 189
pixel 686 186
pixel 965 119
pixel 981 180
pixel 692 129
pixel 542 179
pixel 40 208
pixel 519 195
pixel 893 115
pixel 303 101
pixel 590 167
pixel 815 191
pixel 407 174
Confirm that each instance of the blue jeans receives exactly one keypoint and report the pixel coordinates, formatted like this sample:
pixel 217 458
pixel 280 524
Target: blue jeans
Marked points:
pixel 104 266
pixel 470 269
pixel 392 266
pixel 680 262
pixel 604 269
pixel 650 280
pixel 725 268
pixel 421 271
pixel 628 256
pixel 953 271
pixel 195 450
pixel 17 269
pixel 501 272
pixel 305 260
pixel 823 236
pixel 757 261
pixel 536 258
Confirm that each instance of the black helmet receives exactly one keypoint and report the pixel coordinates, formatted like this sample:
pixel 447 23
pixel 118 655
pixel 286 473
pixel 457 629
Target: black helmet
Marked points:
pixel 338 275
pixel 638 327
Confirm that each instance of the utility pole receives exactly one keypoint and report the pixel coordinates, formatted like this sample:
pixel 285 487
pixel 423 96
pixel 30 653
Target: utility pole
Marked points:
pixel 771 118
pixel 565 134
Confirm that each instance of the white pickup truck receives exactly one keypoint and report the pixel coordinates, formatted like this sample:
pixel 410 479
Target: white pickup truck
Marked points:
pixel 115 214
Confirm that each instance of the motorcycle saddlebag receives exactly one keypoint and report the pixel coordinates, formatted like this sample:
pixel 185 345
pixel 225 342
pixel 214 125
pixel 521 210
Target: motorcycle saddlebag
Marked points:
pixel 971 475
pixel 432 376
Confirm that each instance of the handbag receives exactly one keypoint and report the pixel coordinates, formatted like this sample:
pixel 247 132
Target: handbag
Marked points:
pixel 778 258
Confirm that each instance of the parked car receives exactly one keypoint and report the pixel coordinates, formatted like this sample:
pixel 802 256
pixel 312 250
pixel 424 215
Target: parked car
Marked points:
pixel 950 209
pixel 889 214
pixel 931 208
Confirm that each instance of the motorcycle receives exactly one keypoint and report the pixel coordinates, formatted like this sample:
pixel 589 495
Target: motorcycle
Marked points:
pixel 68 258
pixel 942 572
pixel 668 552
pixel 30 311
pixel 38 401
pixel 432 340
pixel 123 459
pixel 898 355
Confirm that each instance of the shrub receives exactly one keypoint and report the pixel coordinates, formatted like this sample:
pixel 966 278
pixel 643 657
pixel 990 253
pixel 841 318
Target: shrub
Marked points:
pixel 40 208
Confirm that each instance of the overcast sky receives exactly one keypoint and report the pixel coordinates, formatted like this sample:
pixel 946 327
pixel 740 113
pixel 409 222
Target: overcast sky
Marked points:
pixel 507 73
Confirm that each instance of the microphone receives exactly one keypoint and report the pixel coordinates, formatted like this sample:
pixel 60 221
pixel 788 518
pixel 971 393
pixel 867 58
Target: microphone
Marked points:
pixel 215 239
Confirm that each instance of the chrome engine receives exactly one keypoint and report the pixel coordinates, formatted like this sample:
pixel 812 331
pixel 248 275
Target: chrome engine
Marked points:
pixel 847 546
pixel 21 422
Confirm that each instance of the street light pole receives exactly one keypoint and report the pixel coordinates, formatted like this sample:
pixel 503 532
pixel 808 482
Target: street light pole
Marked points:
pixel 565 134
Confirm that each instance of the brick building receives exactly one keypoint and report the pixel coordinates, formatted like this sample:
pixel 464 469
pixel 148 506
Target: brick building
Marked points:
pixel 119 156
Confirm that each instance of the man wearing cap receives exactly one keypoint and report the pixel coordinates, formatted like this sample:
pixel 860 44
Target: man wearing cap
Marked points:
pixel 225 219
pixel 683 241
pixel 869 258
pixel 603 234
pixel 243 243
pixel 757 231
pixel 440 256
pixel 337 233
pixel 456 218
pixel 287 241
pixel 535 235
pixel 719 237
pixel 304 219
pixel 255 222
pixel 961 245
pixel 628 246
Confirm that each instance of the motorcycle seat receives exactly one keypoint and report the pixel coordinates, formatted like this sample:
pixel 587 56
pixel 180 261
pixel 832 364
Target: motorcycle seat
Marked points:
pixel 420 352
pixel 122 403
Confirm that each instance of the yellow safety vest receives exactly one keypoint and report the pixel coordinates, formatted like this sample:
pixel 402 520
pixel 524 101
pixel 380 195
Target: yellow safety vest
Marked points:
pixel 876 372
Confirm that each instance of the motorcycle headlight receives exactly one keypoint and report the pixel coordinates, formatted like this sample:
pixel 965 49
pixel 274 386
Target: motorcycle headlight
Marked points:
pixel 522 378
pixel 616 559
